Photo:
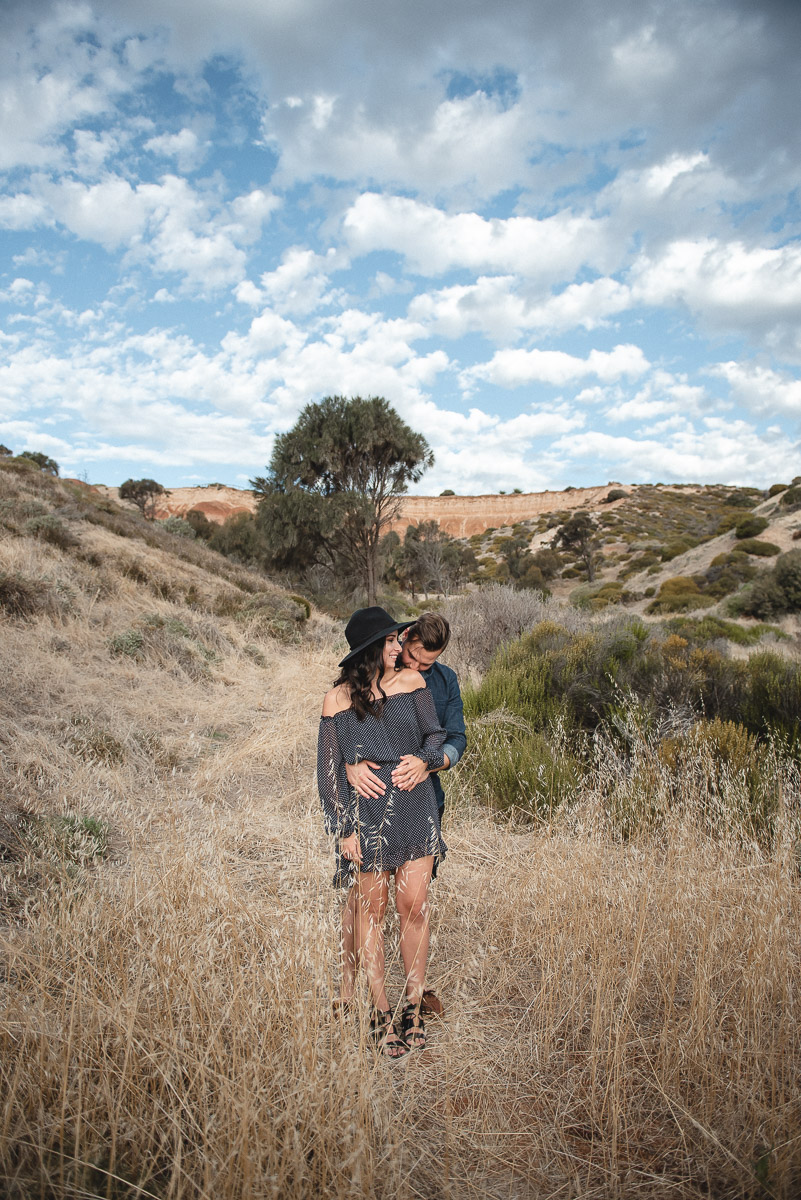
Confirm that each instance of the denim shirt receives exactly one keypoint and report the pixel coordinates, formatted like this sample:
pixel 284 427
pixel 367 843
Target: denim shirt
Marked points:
pixel 443 684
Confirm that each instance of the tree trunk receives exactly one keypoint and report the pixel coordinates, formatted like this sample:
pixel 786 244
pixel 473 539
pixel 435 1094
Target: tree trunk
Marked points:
pixel 371 575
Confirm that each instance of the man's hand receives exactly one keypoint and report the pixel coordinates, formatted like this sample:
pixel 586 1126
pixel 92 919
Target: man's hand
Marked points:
pixel 360 776
pixel 410 771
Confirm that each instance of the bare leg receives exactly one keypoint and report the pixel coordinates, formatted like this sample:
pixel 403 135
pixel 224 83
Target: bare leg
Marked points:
pixel 348 948
pixel 411 901
pixel 369 907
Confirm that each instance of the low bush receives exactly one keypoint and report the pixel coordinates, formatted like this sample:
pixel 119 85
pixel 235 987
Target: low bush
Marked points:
pixel 750 527
pixel 679 594
pixel 516 770
pixel 791 498
pixel 95 744
pixel 586 679
pixel 700 631
pixel 727 572
pixel 178 527
pixel 759 549
pixel 673 549
pixel 775 592
pixel 485 619
pixel 48 528
pixel 775 488
pixel 21 597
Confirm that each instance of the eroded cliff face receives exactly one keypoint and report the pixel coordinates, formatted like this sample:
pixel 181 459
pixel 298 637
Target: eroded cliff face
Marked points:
pixel 459 516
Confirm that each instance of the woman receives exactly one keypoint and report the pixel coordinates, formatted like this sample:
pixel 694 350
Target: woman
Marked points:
pixel 378 713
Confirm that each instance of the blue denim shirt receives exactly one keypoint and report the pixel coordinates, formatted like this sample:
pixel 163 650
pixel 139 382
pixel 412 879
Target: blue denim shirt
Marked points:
pixel 443 684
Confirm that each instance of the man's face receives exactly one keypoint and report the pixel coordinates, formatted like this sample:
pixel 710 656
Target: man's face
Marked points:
pixel 415 657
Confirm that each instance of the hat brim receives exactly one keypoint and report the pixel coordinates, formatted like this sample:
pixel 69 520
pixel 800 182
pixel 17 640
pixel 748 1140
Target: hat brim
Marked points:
pixel 395 627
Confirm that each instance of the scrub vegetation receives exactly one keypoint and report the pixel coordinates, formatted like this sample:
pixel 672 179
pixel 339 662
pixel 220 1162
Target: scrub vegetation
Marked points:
pixel 615 927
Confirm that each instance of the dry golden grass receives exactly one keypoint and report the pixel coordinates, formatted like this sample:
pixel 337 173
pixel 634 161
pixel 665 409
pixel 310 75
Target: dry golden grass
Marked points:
pixel 622 1019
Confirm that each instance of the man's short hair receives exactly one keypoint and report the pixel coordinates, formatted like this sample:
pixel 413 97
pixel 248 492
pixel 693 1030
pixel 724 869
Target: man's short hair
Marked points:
pixel 432 631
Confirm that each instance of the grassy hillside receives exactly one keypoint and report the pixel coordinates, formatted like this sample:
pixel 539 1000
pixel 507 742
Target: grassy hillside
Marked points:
pixel 622 1009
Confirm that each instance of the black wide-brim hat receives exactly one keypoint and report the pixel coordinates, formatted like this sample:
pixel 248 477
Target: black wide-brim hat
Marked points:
pixel 368 625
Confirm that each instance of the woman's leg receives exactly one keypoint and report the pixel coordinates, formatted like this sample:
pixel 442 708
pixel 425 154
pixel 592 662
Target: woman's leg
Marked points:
pixel 348 948
pixel 369 907
pixel 411 901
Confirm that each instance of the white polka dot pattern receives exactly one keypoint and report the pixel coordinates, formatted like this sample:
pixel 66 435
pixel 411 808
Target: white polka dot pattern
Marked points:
pixel 398 826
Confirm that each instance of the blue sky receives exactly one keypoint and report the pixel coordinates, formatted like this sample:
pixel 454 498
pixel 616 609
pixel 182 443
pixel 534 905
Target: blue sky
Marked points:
pixel 561 238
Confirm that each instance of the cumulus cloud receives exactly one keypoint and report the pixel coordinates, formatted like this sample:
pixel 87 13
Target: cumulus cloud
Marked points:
pixel 722 450
pixel 731 286
pixel 760 389
pixel 433 242
pixel 185 147
pixel 513 368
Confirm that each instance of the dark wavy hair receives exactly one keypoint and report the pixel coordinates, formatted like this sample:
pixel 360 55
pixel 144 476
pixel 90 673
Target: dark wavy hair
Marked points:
pixel 358 674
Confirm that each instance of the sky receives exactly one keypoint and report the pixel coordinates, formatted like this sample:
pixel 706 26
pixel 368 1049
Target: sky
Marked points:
pixel 560 237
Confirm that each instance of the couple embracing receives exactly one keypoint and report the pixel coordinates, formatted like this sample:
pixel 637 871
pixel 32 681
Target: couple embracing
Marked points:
pixel 391 723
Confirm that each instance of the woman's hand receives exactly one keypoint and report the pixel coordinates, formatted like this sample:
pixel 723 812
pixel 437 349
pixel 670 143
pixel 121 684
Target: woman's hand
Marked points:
pixel 410 771
pixel 363 781
pixel 349 848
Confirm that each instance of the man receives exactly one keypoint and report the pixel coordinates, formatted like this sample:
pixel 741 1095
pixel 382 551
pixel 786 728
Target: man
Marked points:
pixel 424 642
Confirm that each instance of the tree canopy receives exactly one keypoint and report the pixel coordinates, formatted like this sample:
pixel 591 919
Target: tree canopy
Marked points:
pixel 334 484
pixel 43 461
pixel 143 492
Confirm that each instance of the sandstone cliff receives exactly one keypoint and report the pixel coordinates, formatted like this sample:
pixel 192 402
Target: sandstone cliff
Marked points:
pixel 459 516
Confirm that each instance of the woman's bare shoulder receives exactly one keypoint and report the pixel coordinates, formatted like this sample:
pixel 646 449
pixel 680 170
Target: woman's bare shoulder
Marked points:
pixel 337 700
pixel 409 681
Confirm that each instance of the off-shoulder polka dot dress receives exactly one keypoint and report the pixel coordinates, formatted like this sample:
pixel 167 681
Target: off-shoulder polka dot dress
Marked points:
pixel 398 826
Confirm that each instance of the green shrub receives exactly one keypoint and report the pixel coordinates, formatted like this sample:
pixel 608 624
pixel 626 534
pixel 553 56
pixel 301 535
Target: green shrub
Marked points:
pixel 787 573
pixel 791 499
pixel 200 523
pixel 699 631
pixel 679 594
pixel 775 488
pixel 673 549
pixel 615 494
pixel 516 770
pixel 178 527
pixel 750 526
pixel 759 549
pixel 131 643
pixel 742 499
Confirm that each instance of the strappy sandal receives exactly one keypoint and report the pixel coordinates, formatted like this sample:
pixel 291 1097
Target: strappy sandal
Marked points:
pixel 413 1027
pixel 385 1036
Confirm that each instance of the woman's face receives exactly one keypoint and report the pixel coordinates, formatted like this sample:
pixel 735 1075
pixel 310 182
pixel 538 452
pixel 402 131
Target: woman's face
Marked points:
pixel 392 649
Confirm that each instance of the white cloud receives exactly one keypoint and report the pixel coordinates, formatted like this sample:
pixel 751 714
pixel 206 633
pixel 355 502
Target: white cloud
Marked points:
pixel 300 283
pixel 760 389
pixel 724 450
pixel 513 368
pixel 731 286
pixel 433 242
pixel 185 147
pixel 495 307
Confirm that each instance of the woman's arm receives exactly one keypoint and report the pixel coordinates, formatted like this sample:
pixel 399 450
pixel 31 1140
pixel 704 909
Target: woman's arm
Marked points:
pixel 337 798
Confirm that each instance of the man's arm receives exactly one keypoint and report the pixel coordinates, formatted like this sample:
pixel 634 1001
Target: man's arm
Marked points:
pixel 452 719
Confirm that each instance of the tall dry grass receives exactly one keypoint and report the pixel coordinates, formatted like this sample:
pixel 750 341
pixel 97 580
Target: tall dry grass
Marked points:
pixel 622 1017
